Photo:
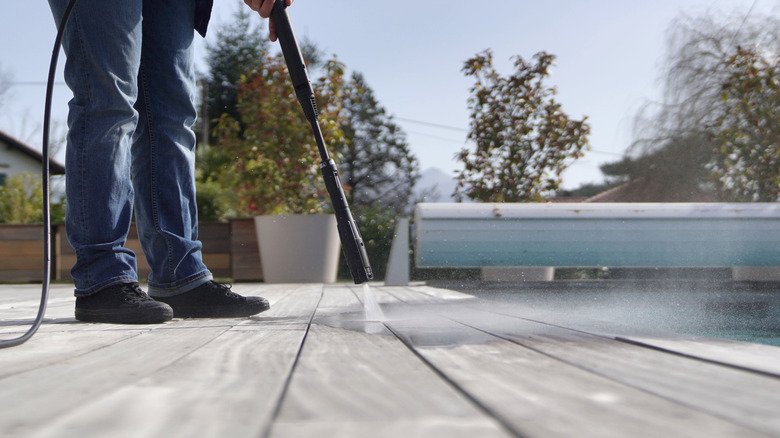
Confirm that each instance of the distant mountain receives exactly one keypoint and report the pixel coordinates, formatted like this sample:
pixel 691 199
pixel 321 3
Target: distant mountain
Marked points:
pixel 435 185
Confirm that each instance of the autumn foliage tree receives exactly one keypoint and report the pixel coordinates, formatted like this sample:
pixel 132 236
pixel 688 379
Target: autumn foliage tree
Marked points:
pixel 522 139
pixel 274 162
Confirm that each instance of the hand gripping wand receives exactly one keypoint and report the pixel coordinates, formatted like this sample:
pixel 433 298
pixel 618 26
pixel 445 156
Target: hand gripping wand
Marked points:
pixel 351 242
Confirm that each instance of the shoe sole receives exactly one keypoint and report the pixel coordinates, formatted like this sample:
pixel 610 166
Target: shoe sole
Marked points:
pixel 151 316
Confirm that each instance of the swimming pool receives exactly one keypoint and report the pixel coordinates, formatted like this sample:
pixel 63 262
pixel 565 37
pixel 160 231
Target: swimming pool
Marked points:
pixel 721 309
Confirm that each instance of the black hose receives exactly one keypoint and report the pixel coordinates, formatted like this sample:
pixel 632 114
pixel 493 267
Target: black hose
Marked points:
pixel 46 281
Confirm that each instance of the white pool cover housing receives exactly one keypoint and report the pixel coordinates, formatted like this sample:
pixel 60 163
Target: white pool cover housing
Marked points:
pixel 597 234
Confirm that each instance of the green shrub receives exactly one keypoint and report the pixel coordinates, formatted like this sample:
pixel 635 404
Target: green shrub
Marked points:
pixel 212 201
pixel 21 201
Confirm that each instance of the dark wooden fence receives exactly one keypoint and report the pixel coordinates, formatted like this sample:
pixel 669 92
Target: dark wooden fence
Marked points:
pixel 229 250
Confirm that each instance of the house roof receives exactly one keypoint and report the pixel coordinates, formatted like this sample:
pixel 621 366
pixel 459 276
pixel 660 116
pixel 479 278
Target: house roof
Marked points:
pixel 55 167
pixel 644 190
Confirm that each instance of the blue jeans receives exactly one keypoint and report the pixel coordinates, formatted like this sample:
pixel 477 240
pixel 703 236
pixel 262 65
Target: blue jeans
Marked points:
pixel 130 142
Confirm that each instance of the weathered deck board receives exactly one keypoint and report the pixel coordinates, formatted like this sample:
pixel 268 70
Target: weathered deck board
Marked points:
pixel 21 308
pixel 41 395
pixel 453 365
pixel 540 396
pixel 408 295
pixel 743 397
pixel 354 378
pixel 61 347
pixel 236 379
pixel 104 365
pixel 757 357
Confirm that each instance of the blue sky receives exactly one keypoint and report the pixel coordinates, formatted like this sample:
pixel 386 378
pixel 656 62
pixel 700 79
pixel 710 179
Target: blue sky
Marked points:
pixel 608 52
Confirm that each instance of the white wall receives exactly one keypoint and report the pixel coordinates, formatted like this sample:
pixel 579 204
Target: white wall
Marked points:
pixel 12 162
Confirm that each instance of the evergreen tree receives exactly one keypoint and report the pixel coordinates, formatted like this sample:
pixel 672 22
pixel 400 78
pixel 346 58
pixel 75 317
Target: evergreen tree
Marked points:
pixel 376 164
pixel 238 52
pixel 377 168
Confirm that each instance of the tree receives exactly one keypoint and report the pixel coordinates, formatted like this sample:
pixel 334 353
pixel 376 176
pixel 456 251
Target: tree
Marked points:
pixel 239 49
pixel 698 141
pixel 747 131
pixel 237 52
pixel 677 172
pixel 377 165
pixel 274 161
pixel 264 159
pixel 5 84
pixel 523 139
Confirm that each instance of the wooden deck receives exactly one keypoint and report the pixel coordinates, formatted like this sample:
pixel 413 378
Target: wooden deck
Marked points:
pixel 443 364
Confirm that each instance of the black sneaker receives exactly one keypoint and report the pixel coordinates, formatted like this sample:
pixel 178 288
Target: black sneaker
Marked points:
pixel 123 303
pixel 214 300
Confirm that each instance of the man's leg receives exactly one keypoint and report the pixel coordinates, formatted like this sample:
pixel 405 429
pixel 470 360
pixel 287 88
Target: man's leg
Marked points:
pixel 164 170
pixel 164 149
pixel 102 41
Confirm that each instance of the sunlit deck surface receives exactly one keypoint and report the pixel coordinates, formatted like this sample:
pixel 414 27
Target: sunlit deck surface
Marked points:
pixel 443 364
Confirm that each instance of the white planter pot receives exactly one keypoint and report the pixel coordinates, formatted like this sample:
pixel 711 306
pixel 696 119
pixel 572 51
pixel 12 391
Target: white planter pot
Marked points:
pixel 298 248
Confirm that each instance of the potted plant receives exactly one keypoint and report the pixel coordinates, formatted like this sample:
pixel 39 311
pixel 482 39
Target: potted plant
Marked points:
pixel 274 172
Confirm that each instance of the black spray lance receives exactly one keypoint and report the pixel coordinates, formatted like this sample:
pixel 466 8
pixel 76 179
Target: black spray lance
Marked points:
pixel 351 242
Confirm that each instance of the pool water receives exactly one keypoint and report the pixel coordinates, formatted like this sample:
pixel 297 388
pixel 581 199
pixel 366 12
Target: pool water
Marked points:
pixel 719 309
pixel 754 336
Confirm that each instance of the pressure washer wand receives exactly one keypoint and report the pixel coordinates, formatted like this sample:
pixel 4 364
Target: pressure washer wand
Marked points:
pixel 351 241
